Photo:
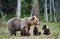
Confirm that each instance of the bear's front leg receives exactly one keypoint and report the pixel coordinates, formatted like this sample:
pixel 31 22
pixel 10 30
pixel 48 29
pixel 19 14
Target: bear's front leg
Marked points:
pixel 28 28
pixel 12 32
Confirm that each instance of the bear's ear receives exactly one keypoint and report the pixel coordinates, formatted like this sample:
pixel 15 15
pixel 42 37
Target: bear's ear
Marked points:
pixel 33 18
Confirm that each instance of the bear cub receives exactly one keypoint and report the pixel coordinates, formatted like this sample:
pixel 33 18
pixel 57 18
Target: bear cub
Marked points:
pixel 46 30
pixel 35 31
pixel 24 31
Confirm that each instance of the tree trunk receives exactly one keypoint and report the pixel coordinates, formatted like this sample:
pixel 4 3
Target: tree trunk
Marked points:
pixel 46 14
pixel 51 10
pixel 18 11
pixel 55 14
pixel 36 10
pixel 34 1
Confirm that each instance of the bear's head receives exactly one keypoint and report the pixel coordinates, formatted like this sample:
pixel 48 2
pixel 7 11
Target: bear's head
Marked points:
pixel 45 27
pixel 34 20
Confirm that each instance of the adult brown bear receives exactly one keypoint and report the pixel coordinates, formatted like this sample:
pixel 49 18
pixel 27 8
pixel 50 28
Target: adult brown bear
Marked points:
pixel 16 24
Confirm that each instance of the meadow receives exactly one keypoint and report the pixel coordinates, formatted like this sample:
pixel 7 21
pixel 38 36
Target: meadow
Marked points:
pixel 54 28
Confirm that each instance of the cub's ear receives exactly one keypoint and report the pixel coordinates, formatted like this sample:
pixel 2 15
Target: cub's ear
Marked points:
pixel 44 27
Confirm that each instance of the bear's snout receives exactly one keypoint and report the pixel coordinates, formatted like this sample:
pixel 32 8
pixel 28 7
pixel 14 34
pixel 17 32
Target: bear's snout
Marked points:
pixel 37 23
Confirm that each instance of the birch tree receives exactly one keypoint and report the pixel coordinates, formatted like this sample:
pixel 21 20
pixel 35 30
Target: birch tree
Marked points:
pixel 35 10
pixel 50 10
pixel 18 11
pixel 46 14
pixel 34 1
pixel 55 14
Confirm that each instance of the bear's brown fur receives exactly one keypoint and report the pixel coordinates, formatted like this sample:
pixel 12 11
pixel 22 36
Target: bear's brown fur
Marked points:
pixel 24 31
pixel 16 24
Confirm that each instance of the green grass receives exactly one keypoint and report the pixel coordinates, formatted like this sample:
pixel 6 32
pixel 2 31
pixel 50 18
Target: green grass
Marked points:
pixel 54 27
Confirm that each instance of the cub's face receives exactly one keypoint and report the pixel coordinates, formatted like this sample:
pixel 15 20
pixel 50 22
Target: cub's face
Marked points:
pixel 34 20
pixel 45 27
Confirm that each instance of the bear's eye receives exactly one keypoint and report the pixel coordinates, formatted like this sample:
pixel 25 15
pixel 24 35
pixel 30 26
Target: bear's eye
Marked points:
pixel 36 21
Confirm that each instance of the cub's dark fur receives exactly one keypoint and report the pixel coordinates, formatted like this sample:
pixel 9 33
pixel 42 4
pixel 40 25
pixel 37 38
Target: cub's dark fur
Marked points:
pixel 46 30
pixel 35 31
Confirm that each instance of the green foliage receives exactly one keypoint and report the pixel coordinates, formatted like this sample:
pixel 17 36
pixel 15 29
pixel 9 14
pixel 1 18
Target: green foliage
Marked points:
pixel 41 6
pixel 26 8
pixel 9 8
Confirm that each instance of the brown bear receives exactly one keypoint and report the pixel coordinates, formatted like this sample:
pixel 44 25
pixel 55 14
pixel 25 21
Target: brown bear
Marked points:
pixel 16 24
pixel 35 31
pixel 46 30
pixel 24 31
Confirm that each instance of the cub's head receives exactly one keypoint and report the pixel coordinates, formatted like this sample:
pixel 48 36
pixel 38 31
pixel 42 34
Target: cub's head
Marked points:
pixel 34 20
pixel 45 27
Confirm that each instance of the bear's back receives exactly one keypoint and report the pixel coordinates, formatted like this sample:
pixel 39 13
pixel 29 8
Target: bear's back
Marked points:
pixel 14 23
pixel 17 23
